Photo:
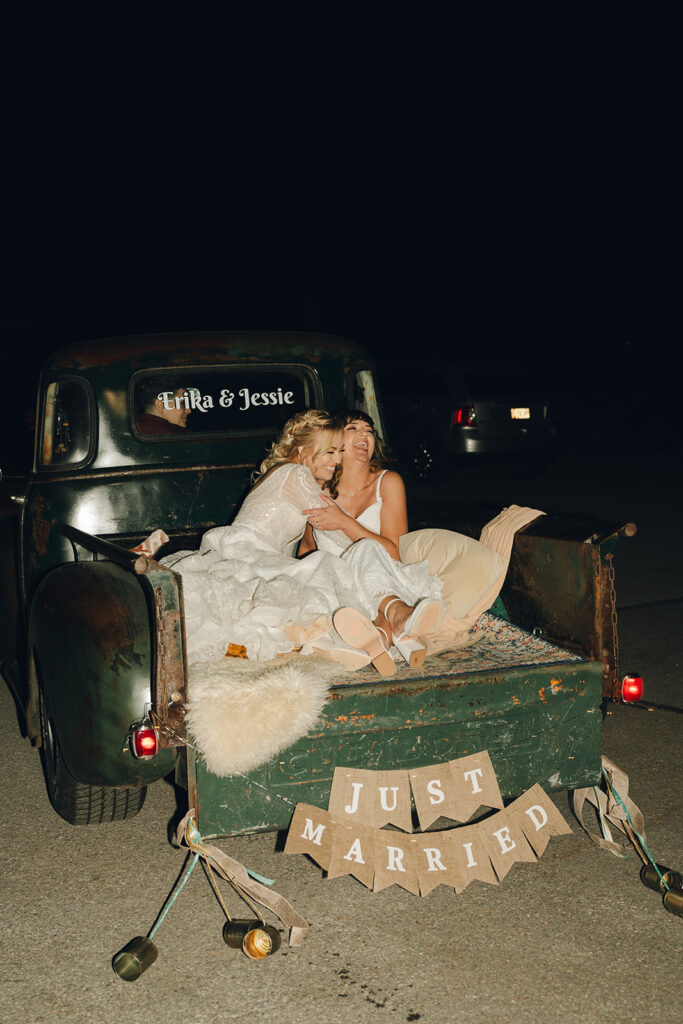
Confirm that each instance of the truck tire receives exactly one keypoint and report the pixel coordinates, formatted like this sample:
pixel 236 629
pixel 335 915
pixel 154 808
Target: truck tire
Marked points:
pixel 77 802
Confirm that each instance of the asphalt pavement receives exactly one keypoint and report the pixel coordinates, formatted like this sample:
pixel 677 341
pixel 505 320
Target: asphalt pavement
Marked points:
pixel 575 938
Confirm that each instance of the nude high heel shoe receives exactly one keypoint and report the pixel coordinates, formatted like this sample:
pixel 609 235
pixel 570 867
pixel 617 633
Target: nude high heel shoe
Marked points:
pixel 411 650
pixel 350 658
pixel 357 631
pixel 425 616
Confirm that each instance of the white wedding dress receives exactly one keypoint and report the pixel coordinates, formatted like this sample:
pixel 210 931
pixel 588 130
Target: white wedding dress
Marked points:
pixel 336 542
pixel 243 585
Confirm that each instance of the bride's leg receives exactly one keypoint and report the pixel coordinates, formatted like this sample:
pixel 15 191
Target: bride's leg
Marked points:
pixel 382 623
pixel 395 612
pixel 421 618
pixel 409 622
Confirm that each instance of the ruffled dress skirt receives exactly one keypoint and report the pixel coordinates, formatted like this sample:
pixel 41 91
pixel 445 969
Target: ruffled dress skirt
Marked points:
pixel 240 589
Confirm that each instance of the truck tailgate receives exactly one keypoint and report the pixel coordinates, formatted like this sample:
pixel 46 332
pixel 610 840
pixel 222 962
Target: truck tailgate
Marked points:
pixel 532 705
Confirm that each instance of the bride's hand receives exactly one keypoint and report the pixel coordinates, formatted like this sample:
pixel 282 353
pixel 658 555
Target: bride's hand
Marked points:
pixel 329 517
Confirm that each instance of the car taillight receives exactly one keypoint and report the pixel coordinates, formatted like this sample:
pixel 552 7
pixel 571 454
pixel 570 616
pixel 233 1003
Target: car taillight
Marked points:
pixel 464 416
pixel 144 741
pixel 631 689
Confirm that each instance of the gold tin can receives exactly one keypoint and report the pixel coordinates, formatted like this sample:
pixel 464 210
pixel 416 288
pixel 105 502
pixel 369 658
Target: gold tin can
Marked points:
pixel 134 959
pixel 651 879
pixel 673 901
pixel 235 930
pixel 256 940
pixel 261 942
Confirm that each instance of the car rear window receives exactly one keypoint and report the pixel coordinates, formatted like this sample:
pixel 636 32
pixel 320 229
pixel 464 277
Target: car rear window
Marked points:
pixel 196 401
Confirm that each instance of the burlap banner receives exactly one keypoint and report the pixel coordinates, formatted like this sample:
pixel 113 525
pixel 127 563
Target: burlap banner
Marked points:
pixel 455 789
pixel 419 862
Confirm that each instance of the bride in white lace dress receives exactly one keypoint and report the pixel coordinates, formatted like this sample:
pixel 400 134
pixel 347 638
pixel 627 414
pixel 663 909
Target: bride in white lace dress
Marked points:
pixel 364 501
pixel 244 586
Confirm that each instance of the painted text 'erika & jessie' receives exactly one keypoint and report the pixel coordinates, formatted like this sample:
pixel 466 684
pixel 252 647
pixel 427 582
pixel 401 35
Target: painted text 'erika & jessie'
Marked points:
pixel 193 399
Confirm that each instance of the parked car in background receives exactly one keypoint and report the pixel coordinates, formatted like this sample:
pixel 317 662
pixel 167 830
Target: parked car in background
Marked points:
pixel 436 413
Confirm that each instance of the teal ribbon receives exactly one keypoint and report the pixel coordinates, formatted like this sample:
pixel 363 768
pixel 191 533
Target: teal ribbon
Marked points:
pixel 173 897
pixel 635 830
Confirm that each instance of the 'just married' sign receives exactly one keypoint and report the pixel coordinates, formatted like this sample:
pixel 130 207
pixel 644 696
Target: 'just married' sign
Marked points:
pixel 348 837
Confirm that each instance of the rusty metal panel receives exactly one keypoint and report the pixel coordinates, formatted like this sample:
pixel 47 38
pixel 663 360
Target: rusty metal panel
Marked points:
pixel 90 639
pixel 170 661
pixel 564 589
pixel 552 587
pixel 540 724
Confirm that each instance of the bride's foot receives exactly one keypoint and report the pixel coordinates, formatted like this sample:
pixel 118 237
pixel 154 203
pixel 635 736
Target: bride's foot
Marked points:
pixel 356 630
pixel 306 634
pixel 336 650
pixel 396 613
pixel 410 622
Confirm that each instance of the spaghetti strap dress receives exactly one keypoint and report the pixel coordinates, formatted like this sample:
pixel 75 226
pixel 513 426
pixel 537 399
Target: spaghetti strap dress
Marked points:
pixel 244 584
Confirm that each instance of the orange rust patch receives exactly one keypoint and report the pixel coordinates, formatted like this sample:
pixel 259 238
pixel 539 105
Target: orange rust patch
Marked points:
pixel 555 685
pixel 342 718
pixel 516 700
pixel 541 694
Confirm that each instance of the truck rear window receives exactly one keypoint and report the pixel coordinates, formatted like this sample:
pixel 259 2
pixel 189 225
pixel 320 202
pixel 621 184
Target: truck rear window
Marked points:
pixel 67 435
pixel 198 401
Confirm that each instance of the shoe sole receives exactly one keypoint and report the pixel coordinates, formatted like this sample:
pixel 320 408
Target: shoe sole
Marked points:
pixel 357 631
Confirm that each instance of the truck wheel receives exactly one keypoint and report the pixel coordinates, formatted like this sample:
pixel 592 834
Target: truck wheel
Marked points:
pixel 77 802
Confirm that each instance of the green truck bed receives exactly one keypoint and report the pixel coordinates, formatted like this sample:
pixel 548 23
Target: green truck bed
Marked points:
pixel 533 705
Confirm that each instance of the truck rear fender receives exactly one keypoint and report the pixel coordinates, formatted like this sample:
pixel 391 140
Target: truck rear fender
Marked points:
pixel 91 639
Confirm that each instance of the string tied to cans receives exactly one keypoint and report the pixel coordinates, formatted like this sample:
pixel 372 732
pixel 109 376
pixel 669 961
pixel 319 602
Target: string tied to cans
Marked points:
pixel 615 806
pixel 254 936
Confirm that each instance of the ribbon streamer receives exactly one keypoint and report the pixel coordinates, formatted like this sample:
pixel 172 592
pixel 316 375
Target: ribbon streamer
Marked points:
pixel 232 871
pixel 618 810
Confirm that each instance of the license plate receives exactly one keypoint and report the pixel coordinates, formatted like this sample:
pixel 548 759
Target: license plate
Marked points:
pixel 522 413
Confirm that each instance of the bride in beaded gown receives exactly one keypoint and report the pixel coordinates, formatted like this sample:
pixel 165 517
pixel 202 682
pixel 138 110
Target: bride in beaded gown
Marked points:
pixel 244 586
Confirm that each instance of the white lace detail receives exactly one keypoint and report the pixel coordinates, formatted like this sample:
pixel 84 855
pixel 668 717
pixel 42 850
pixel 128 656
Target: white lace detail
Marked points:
pixel 243 585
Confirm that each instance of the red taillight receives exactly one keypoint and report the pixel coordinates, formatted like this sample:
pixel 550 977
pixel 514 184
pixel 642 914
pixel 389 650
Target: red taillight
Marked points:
pixel 631 689
pixel 464 416
pixel 144 741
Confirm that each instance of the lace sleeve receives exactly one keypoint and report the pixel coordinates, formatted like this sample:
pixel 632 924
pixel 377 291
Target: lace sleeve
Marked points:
pixel 300 488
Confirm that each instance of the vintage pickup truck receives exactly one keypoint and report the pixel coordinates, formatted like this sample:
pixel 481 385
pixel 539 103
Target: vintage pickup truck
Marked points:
pixel 105 669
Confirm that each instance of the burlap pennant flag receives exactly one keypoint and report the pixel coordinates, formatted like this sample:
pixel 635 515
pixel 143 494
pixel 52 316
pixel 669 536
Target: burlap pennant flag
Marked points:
pixel 391 805
pixel 538 817
pixel 505 842
pixel 395 861
pixel 351 796
pixel 353 852
pixel 472 857
pixel 474 785
pixel 437 862
pixel 434 793
pixel 310 831
pixel 371 798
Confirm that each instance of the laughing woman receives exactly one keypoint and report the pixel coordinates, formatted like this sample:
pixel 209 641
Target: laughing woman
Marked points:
pixel 368 503
pixel 244 585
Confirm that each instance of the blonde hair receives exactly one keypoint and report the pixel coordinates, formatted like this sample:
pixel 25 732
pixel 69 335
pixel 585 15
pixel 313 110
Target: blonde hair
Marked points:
pixel 313 430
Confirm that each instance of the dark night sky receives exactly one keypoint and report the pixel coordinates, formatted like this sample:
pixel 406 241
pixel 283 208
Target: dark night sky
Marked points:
pixel 386 171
